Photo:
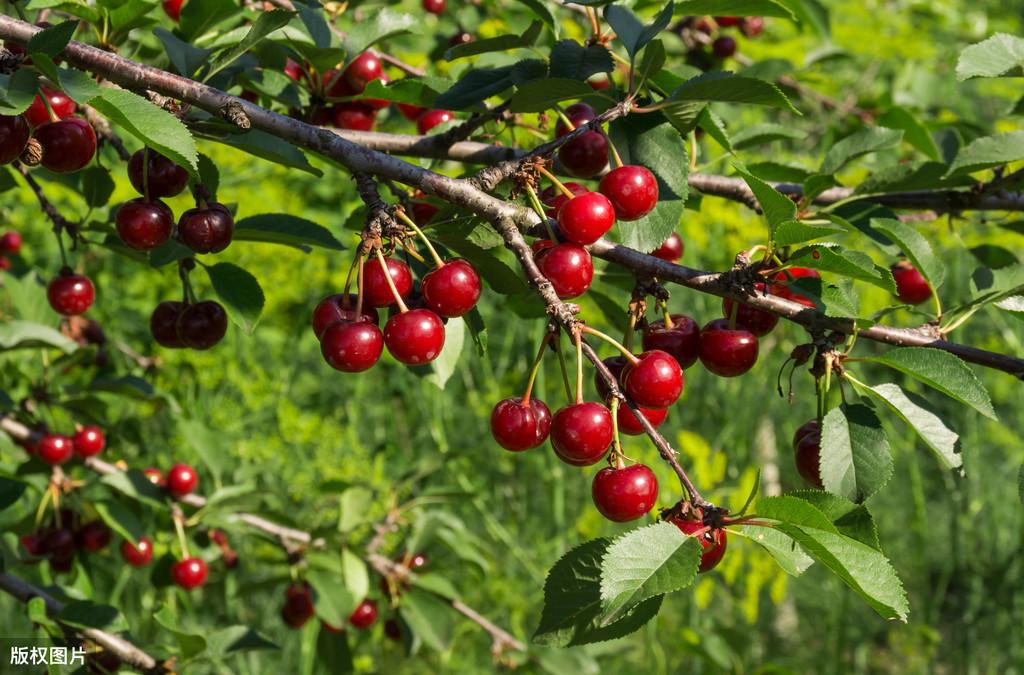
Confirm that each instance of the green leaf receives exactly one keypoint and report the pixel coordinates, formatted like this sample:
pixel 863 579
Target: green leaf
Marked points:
pixel 725 87
pixel 282 228
pixel 796 511
pixel 271 148
pixel 915 246
pixel 26 335
pixel 78 85
pixel 999 56
pixel 987 152
pixel 234 639
pixel 865 141
pixel 384 23
pixel 479 84
pixel 17 91
pixel 849 518
pixel 777 207
pixel 501 43
pixel 52 41
pixel 136 485
pixel 914 132
pixel 540 95
pixel 443 367
pixel 942 371
pixel 571 60
pixel 87 614
pixel 265 24
pixel 630 32
pixel 713 125
pixel 430 618
pixel 541 10
pixel 155 127
pixel 353 508
pixel 855 457
pixel 786 552
pixel 10 491
pixel 844 262
pixel 333 651
pixel 759 134
pixel 240 293
pixel 791 232
pixel 199 17
pixel 734 8
pixel 332 601
pixel 354 574
pixel 1020 483
pixel 121 519
pixel 36 611
pixel 97 186
pixel 189 644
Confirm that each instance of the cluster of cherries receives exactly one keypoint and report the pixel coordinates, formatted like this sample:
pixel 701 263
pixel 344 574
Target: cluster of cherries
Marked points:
pixel 10 245
pixel 724 46
pixel 67 142
pixel 62 536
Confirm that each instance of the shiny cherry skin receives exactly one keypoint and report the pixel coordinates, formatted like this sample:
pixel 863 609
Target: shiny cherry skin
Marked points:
pixel 415 337
pixel 807 453
pixel 364 615
pixel 630 425
pixel 144 225
pixel 554 199
pixel 165 178
pixel 68 145
pixel 752 26
pixel 352 347
pixel 202 325
pixel 353 116
pixel 568 267
pixel 681 340
pixel 433 118
pixel 37 115
pixel 724 47
pixel 88 441
pixel 54 449
pixel 206 230
pixel 376 291
pixel 362 70
pixel 783 279
pixel 632 191
pixel 14 135
pixel 757 321
pixel 410 112
pixel 10 242
pixel 519 426
pixel 71 294
pixel 713 542
pixel 581 433
pixel 615 365
pixel 586 218
pixel 189 573
pixel 417 561
pixel 911 286
pixel 625 493
pixel 586 155
pixel 172 8
pixel 807 427
pixel 93 537
pixel 727 352
pixel 578 113
pixel 461 38
pixel 155 476
pixel 453 289
pixel 163 324
pixel 182 479
pixel 655 380
pixel 298 606
pixel 137 556
pixel 333 309
pixel 434 6
pixel 671 250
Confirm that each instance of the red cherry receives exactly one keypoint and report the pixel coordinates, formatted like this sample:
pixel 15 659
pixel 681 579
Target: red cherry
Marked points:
pixel 626 493
pixel 415 337
pixel 671 250
pixel 376 291
pixel 14 135
pixel 615 365
pixel 10 242
pixel 417 561
pixel 352 347
pixel 433 118
pixel 189 573
pixel 728 21
pixel 137 556
pixel 586 155
pixel 712 542
pixel 144 225
pixel 682 340
pixel 582 433
pixel 354 116
pixel 632 190
pixel 293 70
pixel 540 245
pixel 422 212
pixel 298 606
pixel 460 39
pixel 807 450
pixel 93 536
pixel 68 145
pixel 757 321
pixel 586 218
pixel 727 352
pixel 578 114
pixel 332 309
pixel 37 115
pixel 202 325
pixel 165 178
pixel 434 6
pixel 911 286
pixel 630 425
pixel 786 277
pixel 34 544
pixel 60 543
pixel 88 441
pixel 752 26
pixel 519 426
pixel 5 263
pixel 155 476
pixel 362 70
pixel 599 82
pixel 70 294
pixel 555 199
pixel 173 8
pixel 54 449
pixel 206 230
pixel 568 267
pixel 409 111
pixel 451 290
pixel 364 615
pixel 655 380
pixel 182 479
pixel 163 324
pixel 724 46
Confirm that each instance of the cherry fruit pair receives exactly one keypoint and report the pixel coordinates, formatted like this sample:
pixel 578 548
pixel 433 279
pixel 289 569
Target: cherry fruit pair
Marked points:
pixel 199 325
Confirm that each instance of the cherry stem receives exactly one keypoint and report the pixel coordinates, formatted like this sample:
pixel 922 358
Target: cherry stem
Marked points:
pixel 578 334
pixel 616 444
pixel 630 356
pixel 415 228
pixel 733 313
pixel 179 527
pixel 536 366
pixel 565 118
pixel 348 281
pixel 627 339
pixel 44 503
pixel 359 286
pixel 694 149
pixel 557 183
pixel 539 208
pixel 616 159
pixel 668 319
pixel 565 370
pixel 594 25
pixel 408 248
pixel 391 282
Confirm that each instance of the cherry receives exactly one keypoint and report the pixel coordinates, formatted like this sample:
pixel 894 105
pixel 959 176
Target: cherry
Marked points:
pixel 354 116
pixel 586 155
pixel 757 321
pixel 752 26
pixel 725 351
pixel 519 425
pixel 614 364
pixel 681 339
pixel 37 115
pixel 671 250
pixel 294 70
pixel 362 70
pixel 364 615
pixel 93 536
pixel 911 286
pixel 434 6
pixel 10 242
pixel 417 561
pixel 786 277
pixel 298 606
pixel 724 46
pixel 206 229
pixel 624 493
pixel 352 347
pixel 728 21
pixel 219 537
pixel 189 573
pixel 54 449
pixel 586 218
pixel 452 289
pixel 555 199
pixel 68 145
pixel 88 441
pixel 5 263
pixel 59 543
pixel 164 177
pixel 599 82
pixel 163 324
pixel 433 118
pixel 632 190
pixel 581 433
pixel 578 114
pixel 540 245
pixel 807 450
pixel 173 8
pixel 568 267
pixel 144 225
pixel 460 38
pixel 14 135
pixel 414 337
pixel 392 630
pixel 332 309
pixel 155 476
pixel 712 542
pixel 202 325
pixel 376 291
pixel 410 112
pixel 70 294
pixel 137 556
pixel 630 425
pixel 181 480
pixel 653 381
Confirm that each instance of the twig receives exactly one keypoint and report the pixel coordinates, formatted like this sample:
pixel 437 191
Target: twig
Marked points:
pixel 402 65
pixel 60 223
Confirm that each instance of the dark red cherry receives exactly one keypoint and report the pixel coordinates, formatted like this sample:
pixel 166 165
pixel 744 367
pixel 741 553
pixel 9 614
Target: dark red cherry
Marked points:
pixel 163 324
pixel 14 135
pixel 586 218
pixel 362 70
pixel 354 116
pixel 172 8
pixel 578 113
pixel 713 542
pixel 434 6
pixel 298 606
pixel 68 145
pixel 519 426
pixel 376 291
pixel 752 26
pixel 93 536
pixel 34 543
pixel 757 321
pixel 433 118
pixel 807 453
pixel 671 250
pixel 70 294
pixel 632 191
pixel 806 428
pixel 332 309
pixel 724 47
pixel 451 290
pixel 88 441
pixel 364 615
pixel 555 199
pixel 165 178
pixel 410 112
pixel 60 543
pixel 653 381
pixel 625 493
pixel 415 337
pixel 182 479
pixel 582 433
pixel 37 115
pixel 789 276
pixel 206 230
pixel 54 449
pixel 586 155
pixel 911 286
pixel 422 212
pixel 727 352
pixel 10 242
pixel 352 347
pixel 630 425
pixel 461 38
pixel 137 556
pixel 681 339
pixel 202 325
pixel 568 267
pixel 189 573
pixel 728 21
pixel 144 225
pixel 614 364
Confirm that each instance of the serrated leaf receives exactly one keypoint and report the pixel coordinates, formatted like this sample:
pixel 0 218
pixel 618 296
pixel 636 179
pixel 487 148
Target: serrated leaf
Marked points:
pixel 571 60
pixel 714 126
pixel 791 232
pixel 155 127
pixel 796 511
pixel 199 17
pixel 987 152
pixel 501 43
pixel 849 518
pixel 855 457
pixel 844 262
pixel 777 207
pixel 725 87
pixel 78 85
pixel 385 23
pixel 541 10
pixel 265 24
pixel 189 644
pixel 915 246
pixel 630 32
pixel 240 292
pixel 999 56
pixel 479 84
pixel 444 366
pixel 17 91
pixel 282 228
pixel 121 519
pixel 540 95
pixel 942 371
pixel 786 552
pixel 27 335
pixel 52 41
pixel 871 139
